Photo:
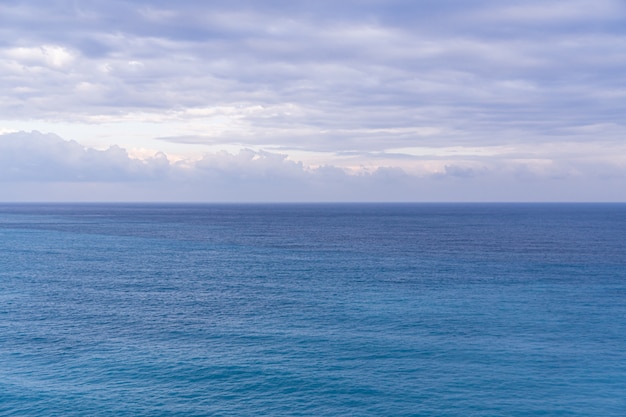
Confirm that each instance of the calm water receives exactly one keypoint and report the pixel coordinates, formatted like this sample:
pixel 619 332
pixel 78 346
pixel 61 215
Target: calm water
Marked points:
pixel 313 310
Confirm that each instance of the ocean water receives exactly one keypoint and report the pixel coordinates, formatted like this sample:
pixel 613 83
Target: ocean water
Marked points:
pixel 313 310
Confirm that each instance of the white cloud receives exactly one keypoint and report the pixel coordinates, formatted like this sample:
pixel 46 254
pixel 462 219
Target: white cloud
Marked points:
pixel 49 56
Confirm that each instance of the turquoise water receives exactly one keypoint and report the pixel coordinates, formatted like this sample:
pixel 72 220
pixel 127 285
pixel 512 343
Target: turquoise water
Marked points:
pixel 313 310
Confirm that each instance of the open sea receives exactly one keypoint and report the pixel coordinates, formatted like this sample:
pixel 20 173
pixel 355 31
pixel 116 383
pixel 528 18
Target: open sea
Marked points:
pixel 313 310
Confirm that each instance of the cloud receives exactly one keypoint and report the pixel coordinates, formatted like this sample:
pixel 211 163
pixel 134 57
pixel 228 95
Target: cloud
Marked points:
pixel 340 66
pixel 48 158
pixel 358 86
pixel 36 166
pixel 560 11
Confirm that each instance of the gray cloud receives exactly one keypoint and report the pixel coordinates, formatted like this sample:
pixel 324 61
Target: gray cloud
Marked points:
pixel 46 157
pixel 362 57
pixel 361 79
pixel 35 167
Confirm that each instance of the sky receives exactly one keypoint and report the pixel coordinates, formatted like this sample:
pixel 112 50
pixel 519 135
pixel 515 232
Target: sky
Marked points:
pixel 276 100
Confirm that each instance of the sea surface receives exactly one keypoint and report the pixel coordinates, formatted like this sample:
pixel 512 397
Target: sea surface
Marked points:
pixel 313 310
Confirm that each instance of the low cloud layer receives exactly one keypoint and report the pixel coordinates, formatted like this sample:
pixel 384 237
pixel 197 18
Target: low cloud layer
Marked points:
pixel 45 167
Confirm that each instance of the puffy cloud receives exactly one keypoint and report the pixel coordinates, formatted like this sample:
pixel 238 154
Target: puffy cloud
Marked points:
pixel 46 157
pixel 36 166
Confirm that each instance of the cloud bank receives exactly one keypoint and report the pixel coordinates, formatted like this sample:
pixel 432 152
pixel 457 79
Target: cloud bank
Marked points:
pixel 45 167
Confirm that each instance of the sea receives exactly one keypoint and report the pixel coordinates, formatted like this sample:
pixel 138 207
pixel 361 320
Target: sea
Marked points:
pixel 313 309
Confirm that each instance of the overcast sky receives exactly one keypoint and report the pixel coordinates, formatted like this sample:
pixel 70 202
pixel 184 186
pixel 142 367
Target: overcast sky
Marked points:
pixel 351 100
